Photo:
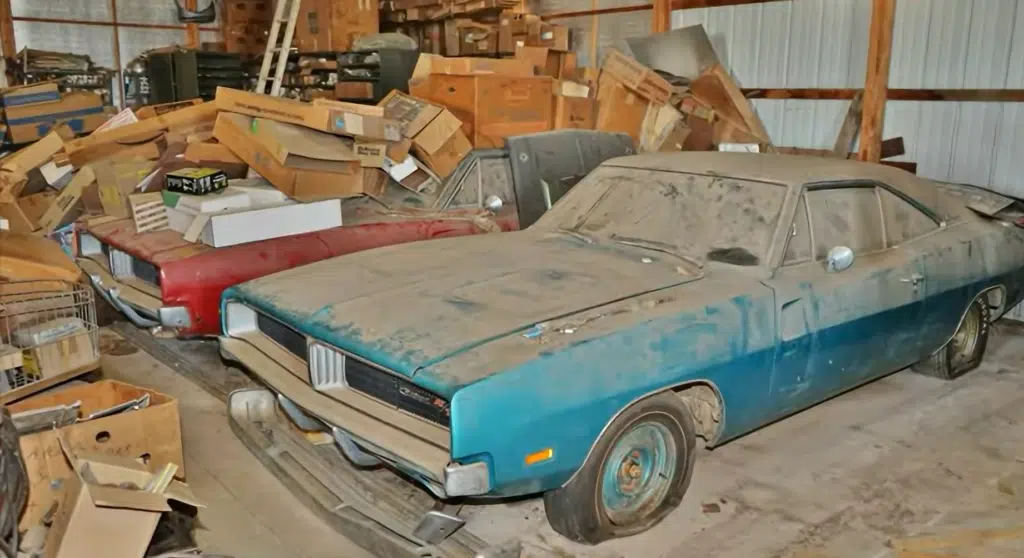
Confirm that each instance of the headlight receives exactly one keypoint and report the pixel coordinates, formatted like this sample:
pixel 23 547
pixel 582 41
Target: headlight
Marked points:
pixel 238 319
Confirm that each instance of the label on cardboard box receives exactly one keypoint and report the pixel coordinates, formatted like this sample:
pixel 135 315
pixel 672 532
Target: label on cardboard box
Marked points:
pixel 371 153
pixel 197 181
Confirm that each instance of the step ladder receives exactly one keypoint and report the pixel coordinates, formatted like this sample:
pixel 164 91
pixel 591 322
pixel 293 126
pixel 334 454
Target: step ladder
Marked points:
pixel 286 12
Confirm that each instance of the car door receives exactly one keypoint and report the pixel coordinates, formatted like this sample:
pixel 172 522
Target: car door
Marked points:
pixel 838 328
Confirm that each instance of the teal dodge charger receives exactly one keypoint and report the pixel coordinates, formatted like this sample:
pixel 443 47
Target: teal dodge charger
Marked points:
pixel 665 299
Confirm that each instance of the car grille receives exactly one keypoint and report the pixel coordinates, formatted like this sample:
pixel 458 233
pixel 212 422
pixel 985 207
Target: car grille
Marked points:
pixel 330 368
pixel 289 339
pixel 123 264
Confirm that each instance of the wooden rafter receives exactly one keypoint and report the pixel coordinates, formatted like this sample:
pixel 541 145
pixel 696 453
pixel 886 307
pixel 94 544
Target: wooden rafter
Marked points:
pixel 876 84
pixel 676 5
pixel 961 95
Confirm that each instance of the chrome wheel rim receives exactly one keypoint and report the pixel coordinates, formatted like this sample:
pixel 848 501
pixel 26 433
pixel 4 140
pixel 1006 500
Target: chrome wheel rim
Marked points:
pixel 637 473
pixel 965 340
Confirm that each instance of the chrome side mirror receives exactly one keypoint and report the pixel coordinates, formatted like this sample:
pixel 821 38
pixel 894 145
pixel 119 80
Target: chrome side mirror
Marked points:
pixel 493 203
pixel 839 259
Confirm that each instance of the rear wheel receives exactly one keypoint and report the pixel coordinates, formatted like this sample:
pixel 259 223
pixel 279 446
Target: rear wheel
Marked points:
pixel 635 476
pixel 965 350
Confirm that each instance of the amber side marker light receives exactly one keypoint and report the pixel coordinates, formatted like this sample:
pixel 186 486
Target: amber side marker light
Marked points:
pixel 539 456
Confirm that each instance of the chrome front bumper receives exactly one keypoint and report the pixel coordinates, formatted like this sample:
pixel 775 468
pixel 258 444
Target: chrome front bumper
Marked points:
pixel 142 309
pixel 311 410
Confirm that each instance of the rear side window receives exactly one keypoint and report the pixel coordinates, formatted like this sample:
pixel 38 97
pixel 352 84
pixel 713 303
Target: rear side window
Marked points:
pixel 847 216
pixel 903 221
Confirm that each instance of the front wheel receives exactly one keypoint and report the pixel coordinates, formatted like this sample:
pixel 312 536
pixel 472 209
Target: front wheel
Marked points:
pixel 965 350
pixel 636 475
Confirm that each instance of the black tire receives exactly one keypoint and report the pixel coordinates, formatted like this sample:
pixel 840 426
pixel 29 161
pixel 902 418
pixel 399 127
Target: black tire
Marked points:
pixel 577 510
pixel 965 350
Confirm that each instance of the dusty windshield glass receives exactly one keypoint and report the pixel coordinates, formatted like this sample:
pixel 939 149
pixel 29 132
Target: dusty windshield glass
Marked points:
pixel 702 218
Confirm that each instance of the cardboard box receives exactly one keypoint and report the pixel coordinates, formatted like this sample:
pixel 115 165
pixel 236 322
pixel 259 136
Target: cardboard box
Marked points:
pixel 351 19
pixel 492 107
pixel 663 130
pixel 197 181
pixel 31 94
pixel 353 90
pixel 559 65
pixel 434 64
pixel 620 109
pixel 575 113
pixel 477 39
pixel 437 132
pixel 218 156
pixel 151 111
pixel 446 157
pixel 413 114
pixel 116 181
pixel 113 142
pixel 313 26
pixel 102 513
pixel 17 220
pixel 327 116
pixel 240 226
pixel 153 433
pixel 35 205
pixel 554 36
pixel 15 167
pixel 317 169
pixel 63 209
pixel 82 111
pixel 518 29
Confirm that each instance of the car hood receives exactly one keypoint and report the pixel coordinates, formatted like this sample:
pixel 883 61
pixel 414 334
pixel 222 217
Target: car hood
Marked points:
pixel 409 306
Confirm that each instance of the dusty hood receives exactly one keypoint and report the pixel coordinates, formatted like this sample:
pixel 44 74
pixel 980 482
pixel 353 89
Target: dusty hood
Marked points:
pixel 409 306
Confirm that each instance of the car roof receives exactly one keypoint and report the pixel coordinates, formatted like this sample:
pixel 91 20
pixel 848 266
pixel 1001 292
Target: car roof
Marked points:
pixel 797 170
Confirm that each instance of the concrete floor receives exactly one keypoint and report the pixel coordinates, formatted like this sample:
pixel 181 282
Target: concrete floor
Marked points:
pixel 851 478
pixel 248 513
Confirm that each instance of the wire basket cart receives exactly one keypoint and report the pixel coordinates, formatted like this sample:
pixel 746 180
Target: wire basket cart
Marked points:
pixel 48 335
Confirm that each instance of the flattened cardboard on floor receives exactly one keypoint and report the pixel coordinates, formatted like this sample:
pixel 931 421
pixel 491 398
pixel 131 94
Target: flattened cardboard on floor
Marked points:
pixel 15 167
pixel 116 181
pixel 24 256
pixel 305 174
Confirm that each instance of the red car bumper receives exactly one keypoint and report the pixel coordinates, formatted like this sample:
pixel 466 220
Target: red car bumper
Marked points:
pixel 183 285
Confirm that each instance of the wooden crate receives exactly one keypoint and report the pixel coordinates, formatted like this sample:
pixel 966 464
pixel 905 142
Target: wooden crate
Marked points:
pixel 634 75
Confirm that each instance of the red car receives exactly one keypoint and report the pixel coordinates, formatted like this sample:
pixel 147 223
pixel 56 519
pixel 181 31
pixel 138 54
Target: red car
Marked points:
pixel 160 279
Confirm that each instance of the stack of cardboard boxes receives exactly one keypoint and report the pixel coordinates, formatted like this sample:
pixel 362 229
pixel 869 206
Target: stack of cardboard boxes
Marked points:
pixel 472 27
pixel 31 111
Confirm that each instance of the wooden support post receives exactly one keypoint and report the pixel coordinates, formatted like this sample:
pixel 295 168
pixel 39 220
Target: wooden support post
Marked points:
pixel 594 31
pixel 7 30
pixel 192 29
pixel 877 82
pixel 661 19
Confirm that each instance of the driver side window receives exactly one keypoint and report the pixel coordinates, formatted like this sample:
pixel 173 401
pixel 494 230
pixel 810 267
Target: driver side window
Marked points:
pixel 845 216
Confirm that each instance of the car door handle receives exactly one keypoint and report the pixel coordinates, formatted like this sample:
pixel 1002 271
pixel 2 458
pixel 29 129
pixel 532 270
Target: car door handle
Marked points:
pixel 913 279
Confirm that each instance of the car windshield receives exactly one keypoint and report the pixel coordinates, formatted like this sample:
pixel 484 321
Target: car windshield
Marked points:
pixel 695 217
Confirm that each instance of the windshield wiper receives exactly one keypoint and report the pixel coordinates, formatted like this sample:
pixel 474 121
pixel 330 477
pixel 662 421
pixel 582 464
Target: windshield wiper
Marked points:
pixel 577 235
pixel 656 246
